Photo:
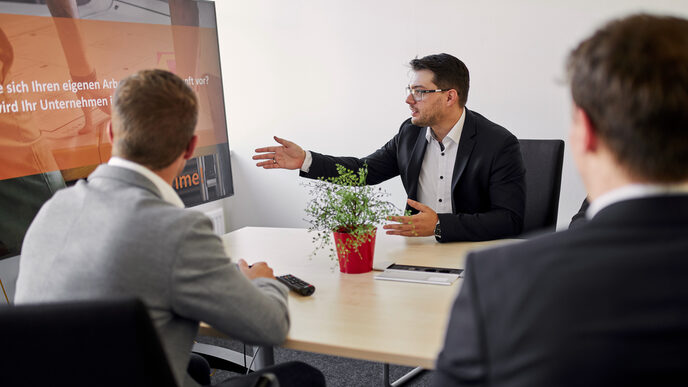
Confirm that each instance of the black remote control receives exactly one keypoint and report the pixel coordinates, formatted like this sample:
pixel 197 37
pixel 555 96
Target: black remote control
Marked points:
pixel 299 286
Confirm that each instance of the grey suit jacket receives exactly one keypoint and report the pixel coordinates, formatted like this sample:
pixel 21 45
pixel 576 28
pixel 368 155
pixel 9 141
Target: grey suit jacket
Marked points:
pixel 113 235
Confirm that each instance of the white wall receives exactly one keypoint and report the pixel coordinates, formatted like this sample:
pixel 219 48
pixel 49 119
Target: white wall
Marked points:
pixel 329 75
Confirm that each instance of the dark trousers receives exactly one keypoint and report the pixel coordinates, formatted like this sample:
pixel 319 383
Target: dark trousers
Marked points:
pixel 289 374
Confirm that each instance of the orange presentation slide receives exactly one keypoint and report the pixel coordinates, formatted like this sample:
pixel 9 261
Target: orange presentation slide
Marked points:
pixel 60 62
pixel 57 76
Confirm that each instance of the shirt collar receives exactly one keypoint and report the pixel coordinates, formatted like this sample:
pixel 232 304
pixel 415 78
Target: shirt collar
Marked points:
pixel 167 193
pixel 454 134
pixel 633 191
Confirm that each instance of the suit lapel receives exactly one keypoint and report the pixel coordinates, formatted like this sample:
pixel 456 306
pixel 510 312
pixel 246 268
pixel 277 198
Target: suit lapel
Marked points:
pixel 413 168
pixel 466 144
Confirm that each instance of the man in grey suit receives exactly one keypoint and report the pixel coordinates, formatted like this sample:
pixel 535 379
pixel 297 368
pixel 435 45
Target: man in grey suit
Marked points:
pixel 124 232
pixel 603 303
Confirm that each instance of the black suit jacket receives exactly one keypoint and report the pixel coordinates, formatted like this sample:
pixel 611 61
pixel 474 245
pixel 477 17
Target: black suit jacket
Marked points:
pixel 579 218
pixel 603 304
pixel 488 182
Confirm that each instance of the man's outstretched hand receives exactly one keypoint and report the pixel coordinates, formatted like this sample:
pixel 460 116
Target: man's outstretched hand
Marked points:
pixel 286 156
pixel 421 224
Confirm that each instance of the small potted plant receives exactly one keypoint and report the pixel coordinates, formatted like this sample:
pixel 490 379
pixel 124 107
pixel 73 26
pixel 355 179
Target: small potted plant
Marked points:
pixel 348 210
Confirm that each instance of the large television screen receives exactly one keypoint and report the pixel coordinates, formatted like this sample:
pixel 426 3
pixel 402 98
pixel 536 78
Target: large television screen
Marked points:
pixel 60 61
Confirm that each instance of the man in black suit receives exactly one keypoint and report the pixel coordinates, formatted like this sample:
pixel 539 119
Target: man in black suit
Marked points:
pixel 604 303
pixel 463 174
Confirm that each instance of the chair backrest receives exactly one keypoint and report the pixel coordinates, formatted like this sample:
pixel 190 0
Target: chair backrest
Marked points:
pixel 87 343
pixel 543 160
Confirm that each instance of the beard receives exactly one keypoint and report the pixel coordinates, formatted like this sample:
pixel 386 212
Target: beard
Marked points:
pixel 428 118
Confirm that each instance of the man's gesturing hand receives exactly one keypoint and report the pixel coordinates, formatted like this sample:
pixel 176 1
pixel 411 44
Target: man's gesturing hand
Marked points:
pixel 421 224
pixel 286 156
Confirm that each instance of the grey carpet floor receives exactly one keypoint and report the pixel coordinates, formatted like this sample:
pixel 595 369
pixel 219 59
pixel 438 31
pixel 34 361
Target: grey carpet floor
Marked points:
pixel 338 371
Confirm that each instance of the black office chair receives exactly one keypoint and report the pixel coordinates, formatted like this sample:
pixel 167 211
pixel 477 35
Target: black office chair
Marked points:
pixel 543 160
pixel 88 343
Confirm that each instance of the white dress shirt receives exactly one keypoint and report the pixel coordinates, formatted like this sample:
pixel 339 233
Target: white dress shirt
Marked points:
pixel 166 191
pixel 633 191
pixel 434 185
pixel 306 166
pixel 434 181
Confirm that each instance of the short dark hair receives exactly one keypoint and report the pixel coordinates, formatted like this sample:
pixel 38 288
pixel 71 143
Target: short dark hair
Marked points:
pixel 449 73
pixel 156 115
pixel 631 79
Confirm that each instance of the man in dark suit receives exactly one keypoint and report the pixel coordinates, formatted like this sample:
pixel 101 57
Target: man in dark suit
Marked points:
pixel 463 174
pixel 604 303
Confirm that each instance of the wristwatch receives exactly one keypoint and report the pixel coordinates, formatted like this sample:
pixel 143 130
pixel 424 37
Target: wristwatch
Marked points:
pixel 438 231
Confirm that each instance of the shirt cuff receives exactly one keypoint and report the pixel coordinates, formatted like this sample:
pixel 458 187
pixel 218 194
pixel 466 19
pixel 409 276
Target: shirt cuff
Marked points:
pixel 306 166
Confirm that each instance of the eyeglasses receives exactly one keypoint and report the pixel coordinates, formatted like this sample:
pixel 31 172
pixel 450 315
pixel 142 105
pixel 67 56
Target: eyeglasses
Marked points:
pixel 419 93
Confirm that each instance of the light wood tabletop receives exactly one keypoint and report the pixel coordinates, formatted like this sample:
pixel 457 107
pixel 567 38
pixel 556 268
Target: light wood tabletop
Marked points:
pixel 354 315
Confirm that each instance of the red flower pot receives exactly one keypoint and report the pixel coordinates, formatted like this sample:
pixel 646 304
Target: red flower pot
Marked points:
pixel 351 260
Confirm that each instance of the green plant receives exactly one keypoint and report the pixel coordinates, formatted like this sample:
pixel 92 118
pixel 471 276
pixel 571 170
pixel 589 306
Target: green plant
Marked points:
pixel 346 204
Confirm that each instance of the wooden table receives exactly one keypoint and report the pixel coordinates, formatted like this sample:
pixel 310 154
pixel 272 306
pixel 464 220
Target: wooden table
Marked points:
pixel 354 315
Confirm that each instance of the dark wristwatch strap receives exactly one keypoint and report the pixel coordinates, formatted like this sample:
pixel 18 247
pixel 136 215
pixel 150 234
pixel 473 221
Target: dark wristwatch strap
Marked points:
pixel 438 232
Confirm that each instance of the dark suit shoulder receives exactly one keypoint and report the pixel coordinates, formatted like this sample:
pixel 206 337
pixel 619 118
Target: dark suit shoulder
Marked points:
pixel 652 221
pixel 405 139
pixel 485 127
pixel 407 128
pixel 516 280
pixel 519 260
